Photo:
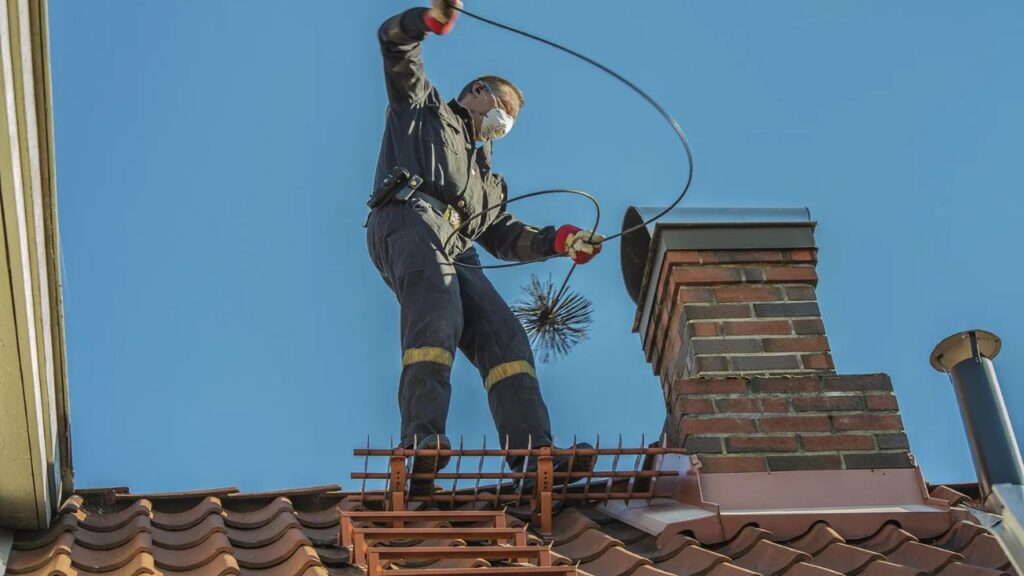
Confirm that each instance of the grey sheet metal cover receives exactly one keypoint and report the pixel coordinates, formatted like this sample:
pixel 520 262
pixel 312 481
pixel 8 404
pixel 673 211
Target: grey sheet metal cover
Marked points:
pixel 703 229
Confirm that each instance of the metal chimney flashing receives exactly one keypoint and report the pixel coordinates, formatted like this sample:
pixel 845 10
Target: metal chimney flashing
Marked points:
pixel 702 228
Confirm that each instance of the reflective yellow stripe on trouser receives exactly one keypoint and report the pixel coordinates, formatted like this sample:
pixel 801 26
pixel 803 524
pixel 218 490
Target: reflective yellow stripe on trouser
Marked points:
pixel 502 371
pixel 427 354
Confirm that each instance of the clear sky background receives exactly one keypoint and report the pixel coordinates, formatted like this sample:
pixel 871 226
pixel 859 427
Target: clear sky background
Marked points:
pixel 225 325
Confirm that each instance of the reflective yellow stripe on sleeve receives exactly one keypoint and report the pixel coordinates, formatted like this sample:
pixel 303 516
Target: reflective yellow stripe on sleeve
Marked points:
pixel 502 371
pixel 427 354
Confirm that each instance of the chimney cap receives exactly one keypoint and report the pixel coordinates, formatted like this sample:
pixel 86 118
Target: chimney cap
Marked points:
pixel 958 347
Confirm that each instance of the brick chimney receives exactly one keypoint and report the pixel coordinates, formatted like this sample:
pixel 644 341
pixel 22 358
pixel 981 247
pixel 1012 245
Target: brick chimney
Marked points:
pixel 729 319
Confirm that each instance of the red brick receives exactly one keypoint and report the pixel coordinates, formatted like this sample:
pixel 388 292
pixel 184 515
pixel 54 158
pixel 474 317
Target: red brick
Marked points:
pixel 878 460
pixel 694 406
pixel 717 425
pixel 737 405
pixel 757 328
pixel 774 405
pixel 828 403
pixel 704 364
pixel 711 386
pixel 864 383
pixel 725 464
pixel 764 363
pixel 833 442
pixel 800 293
pixel 881 402
pixel 818 361
pixel 791 274
pixel 682 257
pixel 700 295
pixel 715 311
pixel 802 254
pixel 705 329
pixel 798 344
pixel 785 385
pixel 747 294
pixel 794 424
pixel 808 326
pixel 706 275
pixel 804 462
pixel 867 422
pixel 738 256
pixel 761 444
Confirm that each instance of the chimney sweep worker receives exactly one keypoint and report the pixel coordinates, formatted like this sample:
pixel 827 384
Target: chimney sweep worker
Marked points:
pixel 431 176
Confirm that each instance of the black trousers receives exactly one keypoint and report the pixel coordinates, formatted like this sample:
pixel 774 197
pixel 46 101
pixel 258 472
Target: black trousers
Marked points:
pixel 445 307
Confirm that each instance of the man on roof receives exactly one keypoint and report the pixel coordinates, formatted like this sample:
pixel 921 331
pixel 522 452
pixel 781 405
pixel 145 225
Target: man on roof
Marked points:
pixel 444 306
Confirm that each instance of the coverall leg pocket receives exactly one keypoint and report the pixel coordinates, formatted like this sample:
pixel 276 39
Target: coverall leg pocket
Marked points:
pixel 405 251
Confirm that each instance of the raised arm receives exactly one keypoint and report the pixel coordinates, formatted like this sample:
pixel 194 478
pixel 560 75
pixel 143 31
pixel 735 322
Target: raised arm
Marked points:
pixel 400 38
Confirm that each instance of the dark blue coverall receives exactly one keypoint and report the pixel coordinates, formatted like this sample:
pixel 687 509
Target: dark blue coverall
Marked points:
pixel 443 306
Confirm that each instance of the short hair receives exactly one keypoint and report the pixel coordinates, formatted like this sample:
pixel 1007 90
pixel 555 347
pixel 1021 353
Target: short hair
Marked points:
pixel 498 84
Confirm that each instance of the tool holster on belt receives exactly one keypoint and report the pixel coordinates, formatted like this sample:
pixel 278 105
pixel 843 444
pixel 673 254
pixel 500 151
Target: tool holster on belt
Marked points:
pixel 400 185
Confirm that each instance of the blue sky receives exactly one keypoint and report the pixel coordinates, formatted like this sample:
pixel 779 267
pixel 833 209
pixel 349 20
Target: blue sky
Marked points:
pixel 225 325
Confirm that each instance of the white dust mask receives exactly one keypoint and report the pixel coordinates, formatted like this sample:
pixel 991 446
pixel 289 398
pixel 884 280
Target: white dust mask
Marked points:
pixel 496 122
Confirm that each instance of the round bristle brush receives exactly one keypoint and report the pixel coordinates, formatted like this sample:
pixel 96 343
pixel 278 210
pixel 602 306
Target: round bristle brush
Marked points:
pixel 555 321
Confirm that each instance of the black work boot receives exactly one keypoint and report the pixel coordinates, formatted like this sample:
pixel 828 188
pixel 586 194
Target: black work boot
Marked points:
pixel 428 463
pixel 560 463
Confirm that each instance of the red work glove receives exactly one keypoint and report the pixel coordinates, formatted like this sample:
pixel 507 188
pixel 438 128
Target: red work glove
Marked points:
pixel 441 16
pixel 577 244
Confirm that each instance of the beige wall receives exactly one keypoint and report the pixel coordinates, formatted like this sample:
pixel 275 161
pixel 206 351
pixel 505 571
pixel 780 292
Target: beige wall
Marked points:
pixel 35 471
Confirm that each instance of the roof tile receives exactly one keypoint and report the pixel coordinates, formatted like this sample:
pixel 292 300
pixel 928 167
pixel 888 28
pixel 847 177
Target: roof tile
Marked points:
pixel 139 564
pixel 949 495
pixel 959 536
pixel 296 564
pixel 769 558
pixel 106 560
pixel 192 558
pixel 190 517
pixel 805 569
pixel 692 561
pixel 744 541
pixel 883 568
pixel 222 565
pixel 961 569
pixel 727 569
pixel 113 538
pixel 844 558
pixel 258 517
pixel 182 539
pixel 58 565
pixel 569 525
pixel 588 546
pixel 24 561
pixel 985 551
pixel 32 539
pixel 616 562
pixel 107 522
pixel 648 547
pixel 924 557
pixel 888 538
pixel 266 534
pixel 273 553
pixel 819 537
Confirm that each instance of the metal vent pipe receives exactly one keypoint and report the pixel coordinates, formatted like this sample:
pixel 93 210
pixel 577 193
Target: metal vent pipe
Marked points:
pixel 967 358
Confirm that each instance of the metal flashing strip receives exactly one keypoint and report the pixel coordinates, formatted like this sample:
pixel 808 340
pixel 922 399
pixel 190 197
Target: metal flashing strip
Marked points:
pixel 1009 500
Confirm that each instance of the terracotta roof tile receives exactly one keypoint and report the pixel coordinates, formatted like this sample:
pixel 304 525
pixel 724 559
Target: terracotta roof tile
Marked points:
pixel 189 537
pixel 805 569
pixel 648 547
pixel 769 558
pixel 819 537
pixel 139 564
pixel 949 495
pixel 588 546
pixel 744 541
pixel 258 517
pixel 107 560
pixel 107 522
pixel 616 562
pixel 926 558
pixel 883 568
pixel 959 536
pixel 844 558
pixel 266 534
pixel 887 539
pixel 961 569
pixel 692 561
pixel 222 565
pixel 985 551
pixel 295 533
pixel 25 561
pixel 194 557
pixel 190 517
pixel 726 569
pixel 274 553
